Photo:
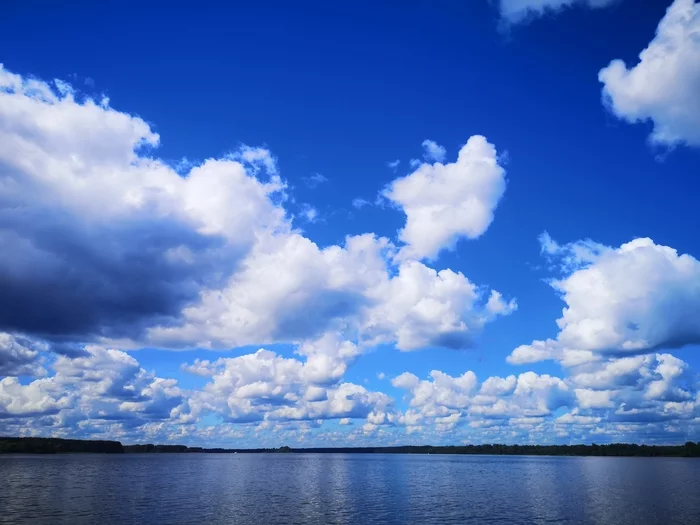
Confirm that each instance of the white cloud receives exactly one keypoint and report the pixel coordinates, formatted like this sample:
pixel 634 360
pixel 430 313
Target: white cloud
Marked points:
pixel 19 357
pixel 443 400
pixel 135 253
pixel 101 387
pixel 393 164
pixel 266 386
pixel 636 298
pixel 498 386
pixel 289 289
pixel 444 203
pixel 664 87
pixel 421 307
pixel 517 11
pixel 37 398
pixel 433 151
pixel 119 238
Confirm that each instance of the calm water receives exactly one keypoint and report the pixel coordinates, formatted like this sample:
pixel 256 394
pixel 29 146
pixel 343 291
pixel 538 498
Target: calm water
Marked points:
pixel 264 489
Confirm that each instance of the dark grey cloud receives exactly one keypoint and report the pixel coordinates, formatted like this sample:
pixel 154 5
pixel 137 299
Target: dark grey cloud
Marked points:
pixel 63 279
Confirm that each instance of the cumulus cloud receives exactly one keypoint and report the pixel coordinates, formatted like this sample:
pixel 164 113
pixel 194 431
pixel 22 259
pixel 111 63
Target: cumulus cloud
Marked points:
pixel 641 397
pixel 518 11
pixel 637 298
pixel 104 388
pixel 446 202
pixel 107 243
pixel 443 401
pixel 264 386
pixel 99 238
pixel 291 290
pixel 664 86
pixel 19 356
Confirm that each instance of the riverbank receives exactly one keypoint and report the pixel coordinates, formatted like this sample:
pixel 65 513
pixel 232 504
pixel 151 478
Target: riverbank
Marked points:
pixel 33 445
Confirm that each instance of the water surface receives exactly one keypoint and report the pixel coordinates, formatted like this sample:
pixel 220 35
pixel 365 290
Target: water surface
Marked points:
pixel 363 489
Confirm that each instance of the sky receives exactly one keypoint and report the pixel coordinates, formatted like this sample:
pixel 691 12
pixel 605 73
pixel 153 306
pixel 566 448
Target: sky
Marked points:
pixel 349 224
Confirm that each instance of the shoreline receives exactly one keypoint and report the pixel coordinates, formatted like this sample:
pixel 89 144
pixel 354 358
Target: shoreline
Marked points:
pixel 31 445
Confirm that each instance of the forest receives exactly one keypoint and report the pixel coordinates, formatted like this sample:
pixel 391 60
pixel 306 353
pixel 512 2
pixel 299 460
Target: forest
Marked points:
pixel 36 445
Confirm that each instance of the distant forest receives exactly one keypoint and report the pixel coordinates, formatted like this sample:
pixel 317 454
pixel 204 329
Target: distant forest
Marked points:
pixel 31 445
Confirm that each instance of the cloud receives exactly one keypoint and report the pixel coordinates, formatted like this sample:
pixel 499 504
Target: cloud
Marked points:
pixel 265 386
pixel 520 11
pixel 35 399
pixel 443 401
pixel 634 299
pixel 433 151
pixel 647 397
pixel 291 290
pixel 18 356
pixel 664 86
pixel 102 388
pixel 394 164
pixel 266 398
pixel 444 203
pixel 314 180
pixel 360 203
pixel 421 307
pixel 109 244
pixel 99 238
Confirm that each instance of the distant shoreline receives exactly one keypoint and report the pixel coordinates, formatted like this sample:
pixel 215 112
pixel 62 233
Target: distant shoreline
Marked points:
pixel 31 445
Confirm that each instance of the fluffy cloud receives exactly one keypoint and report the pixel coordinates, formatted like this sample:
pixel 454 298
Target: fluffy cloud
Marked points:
pixel 289 289
pixel 97 236
pixel 112 245
pixel 636 298
pixel 421 307
pixel 516 11
pixel 36 399
pixel 443 401
pixel 264 386
pixel 104 390
pixel 446 202
pixel 622 305
pixel 664 87
pixel 18 357
pixel 647 397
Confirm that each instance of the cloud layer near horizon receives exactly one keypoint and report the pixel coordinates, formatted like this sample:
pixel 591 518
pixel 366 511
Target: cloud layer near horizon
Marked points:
pixel 108 248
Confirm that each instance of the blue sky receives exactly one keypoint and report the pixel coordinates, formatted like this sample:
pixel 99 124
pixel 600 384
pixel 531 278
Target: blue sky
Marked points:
pixel 184 187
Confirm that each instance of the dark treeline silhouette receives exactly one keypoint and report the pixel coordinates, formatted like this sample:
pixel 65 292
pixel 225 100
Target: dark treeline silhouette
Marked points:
pixel 56 446
pixel 32 445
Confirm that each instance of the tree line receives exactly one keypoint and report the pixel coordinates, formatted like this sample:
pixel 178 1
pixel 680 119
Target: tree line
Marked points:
pixel 34 445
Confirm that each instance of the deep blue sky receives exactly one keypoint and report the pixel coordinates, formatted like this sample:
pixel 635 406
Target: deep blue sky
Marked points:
pixel 342 88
